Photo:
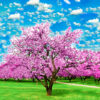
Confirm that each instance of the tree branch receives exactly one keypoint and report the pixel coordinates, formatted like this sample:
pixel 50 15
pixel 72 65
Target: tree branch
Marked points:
pixel 46 79
pixel 39 80
pixel 54 67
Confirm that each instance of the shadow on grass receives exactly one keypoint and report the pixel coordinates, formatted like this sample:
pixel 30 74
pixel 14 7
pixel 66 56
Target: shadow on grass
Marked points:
pixel 72 91
pixel 12 80
pixel 59 92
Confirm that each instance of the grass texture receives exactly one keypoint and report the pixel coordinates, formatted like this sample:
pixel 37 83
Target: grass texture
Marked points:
pixel 12 90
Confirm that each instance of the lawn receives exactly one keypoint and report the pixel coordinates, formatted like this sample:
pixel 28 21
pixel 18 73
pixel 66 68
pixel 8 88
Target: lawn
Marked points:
pixel 12 90
pixel 88 81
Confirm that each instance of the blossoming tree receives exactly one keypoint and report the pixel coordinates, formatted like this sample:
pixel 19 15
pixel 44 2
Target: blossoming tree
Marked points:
pixel 42 55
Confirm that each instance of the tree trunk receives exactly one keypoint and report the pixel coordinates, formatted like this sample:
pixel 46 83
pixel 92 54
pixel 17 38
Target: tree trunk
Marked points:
pixel 95 80
pixel 65 78
pixel 69 78
pixel 33 80
pixel 49 88
pixel 81 78
pixel 18 80
pixel 5 79
pixel 49 91
pixel 98 80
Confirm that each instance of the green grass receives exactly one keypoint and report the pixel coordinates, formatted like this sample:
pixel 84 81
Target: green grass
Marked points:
pixel 12 90
pixel 89 81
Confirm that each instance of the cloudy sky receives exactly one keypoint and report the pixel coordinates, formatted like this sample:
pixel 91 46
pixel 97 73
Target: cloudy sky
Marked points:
pixel 79 14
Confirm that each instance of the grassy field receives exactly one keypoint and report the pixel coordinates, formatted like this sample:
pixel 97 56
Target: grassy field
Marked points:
pixel 89 81
pixel 12 90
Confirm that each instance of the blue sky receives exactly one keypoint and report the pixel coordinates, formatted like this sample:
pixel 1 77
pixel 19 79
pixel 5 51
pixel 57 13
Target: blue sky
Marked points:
pixel 79 14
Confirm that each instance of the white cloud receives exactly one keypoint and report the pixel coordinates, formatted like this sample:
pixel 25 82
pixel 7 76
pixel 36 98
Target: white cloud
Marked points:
pixel 89 26
pixel 93 41
pixel 96 32
pixel 33 2
pixel 45 16
pixel 8 10
pixel 3 41
pixel 21 9
pixel 67 1
pixel 22 17
pixel 87 31
pixel 81 45
pixel 22 21
pixel 14 16
pixel 98 8
pixel 1 54
pixel 1 4
pixel 92 9
pixel 98 40
pixel 60 14
pixel 3 35
pixel 87 9
pixel 0 19
pixel 10 4
pixel 1 24
pixel 76 12
pixel 9 32
pixel 44 7
pixel 77 24
pixel 30 20
pixel 17 4
pixel 77 0
pixel 88 42
pixel 4 46
pixel 63 19
pixel 41 6
pixel 98 28
pixel 49 10
pixel 70 9
pixel 93 20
